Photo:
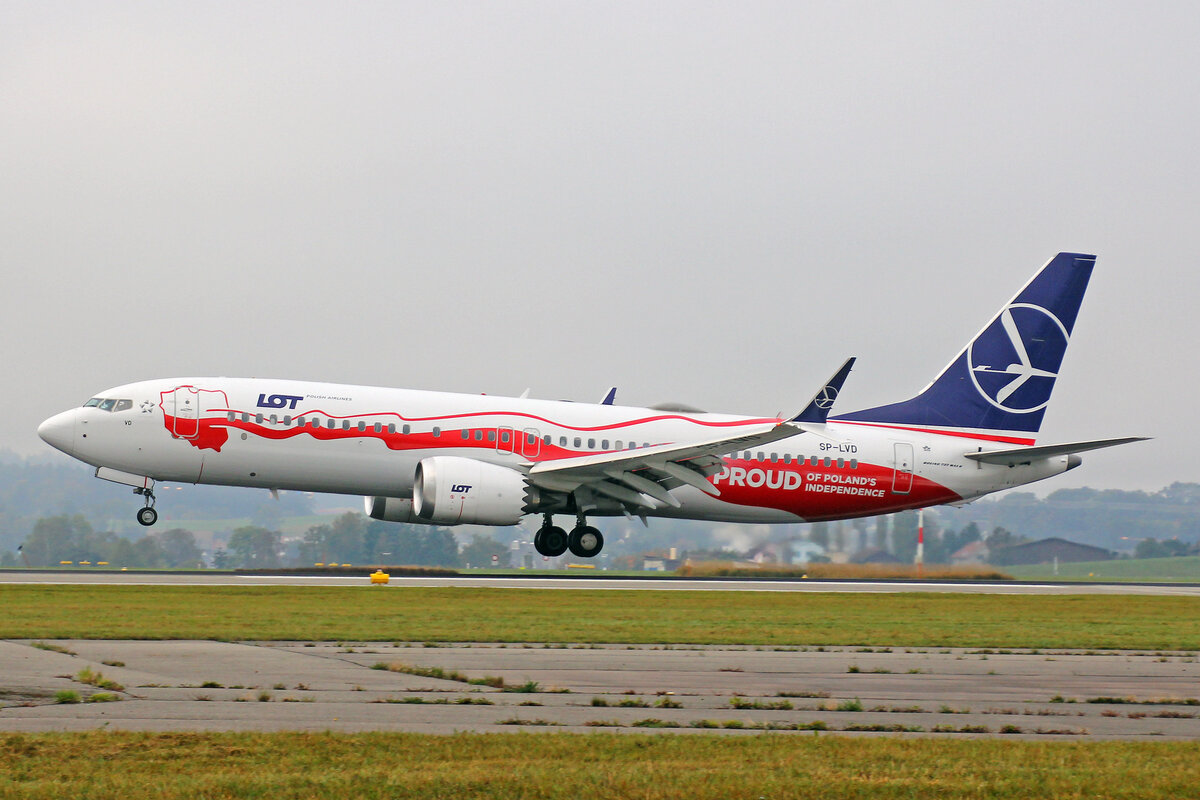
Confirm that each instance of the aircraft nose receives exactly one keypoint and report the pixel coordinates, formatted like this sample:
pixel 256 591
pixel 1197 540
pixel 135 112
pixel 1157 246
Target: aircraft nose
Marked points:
pixel 59 431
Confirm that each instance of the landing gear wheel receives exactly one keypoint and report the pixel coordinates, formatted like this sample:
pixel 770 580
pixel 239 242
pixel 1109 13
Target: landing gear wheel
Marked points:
pixel 147 516
pixel 586 541
pixel 550 541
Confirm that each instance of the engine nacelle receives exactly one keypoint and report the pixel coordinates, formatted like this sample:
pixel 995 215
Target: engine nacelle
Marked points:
pixel 449 490
pixel 391 509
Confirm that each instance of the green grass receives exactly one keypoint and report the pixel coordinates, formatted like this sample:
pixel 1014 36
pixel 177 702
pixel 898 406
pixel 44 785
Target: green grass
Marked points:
pixel 581 615
pixel 1183 568
pixel 133 766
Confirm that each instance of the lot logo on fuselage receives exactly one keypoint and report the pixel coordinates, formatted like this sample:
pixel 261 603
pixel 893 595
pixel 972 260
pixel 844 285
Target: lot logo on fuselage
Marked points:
pixel 1014 362
pixel 279 401
pixel 460 488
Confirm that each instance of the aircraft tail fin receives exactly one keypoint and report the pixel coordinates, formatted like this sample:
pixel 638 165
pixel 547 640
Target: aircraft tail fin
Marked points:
pixel 999 385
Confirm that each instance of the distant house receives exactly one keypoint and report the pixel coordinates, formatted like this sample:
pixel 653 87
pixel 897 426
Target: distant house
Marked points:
pixel 1045 551
pixel 970 553
pixel 874 555
pixel 660 562
pixel 803 552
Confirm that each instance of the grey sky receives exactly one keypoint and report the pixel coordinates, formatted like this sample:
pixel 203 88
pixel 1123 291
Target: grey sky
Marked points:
pixel 709 203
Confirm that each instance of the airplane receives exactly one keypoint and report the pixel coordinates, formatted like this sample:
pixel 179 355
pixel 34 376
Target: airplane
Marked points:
pixel 445 459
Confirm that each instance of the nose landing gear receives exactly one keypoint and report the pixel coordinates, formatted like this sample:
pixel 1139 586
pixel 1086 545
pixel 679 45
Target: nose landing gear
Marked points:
pixel 584 541
pixel 146 516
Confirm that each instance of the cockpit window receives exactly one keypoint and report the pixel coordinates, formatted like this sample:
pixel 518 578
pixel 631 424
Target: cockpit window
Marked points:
pixel 109 404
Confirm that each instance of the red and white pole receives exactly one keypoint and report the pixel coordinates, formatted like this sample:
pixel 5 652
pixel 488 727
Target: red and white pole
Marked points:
pixel 920 559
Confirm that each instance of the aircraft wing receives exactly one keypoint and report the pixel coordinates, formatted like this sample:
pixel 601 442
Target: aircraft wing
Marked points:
pixel 1025 455
pixel 641 477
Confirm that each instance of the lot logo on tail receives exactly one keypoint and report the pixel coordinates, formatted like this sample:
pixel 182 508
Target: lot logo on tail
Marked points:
pixel 1014 362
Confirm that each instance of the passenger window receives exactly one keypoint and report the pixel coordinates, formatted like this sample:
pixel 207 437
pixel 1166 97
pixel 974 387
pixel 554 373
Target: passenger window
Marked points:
pixel 761 457
pixel 548 439
pixel 841 463
pixel 774 457
pixel 391 427
pixel 345 424
pixel 604 444
pixel 274 420
pixel 854 463
pixel 578 442
pixel 300 421
pixel 314 423
pixel 287 419
pixel 123 405
pixel 591 444
pixel 479 435
pixel 379 427
pixel 828 462
pixel 437 432
pixel 331 423
pixel 231 415
pixel 504 436
pixel 245 417
pixel 619 447
pixel 491 436
pixel 405 429
pixel 562 441
pixel 258 418
pixel 466 434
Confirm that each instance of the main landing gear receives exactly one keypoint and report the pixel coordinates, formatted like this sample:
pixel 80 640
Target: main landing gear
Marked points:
pixel 584 541
pixel 146 516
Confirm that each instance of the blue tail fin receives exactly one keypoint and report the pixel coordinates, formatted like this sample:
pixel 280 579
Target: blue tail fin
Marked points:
pixel 1001 382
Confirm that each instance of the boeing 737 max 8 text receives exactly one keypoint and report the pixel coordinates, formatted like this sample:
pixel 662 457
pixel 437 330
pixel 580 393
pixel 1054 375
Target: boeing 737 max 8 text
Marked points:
pixel 444 459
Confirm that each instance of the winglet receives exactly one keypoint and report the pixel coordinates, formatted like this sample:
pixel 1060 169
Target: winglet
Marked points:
pixel 817 410
pixel 608 398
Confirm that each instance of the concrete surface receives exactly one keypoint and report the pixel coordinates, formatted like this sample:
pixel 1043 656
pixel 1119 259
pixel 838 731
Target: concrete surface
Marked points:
pixel 326 686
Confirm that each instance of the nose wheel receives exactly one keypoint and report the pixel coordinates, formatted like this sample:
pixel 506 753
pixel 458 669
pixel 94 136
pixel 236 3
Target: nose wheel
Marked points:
pixel 147 515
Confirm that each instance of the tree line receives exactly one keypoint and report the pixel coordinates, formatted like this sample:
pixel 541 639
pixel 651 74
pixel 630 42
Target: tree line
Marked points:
pixel 347 539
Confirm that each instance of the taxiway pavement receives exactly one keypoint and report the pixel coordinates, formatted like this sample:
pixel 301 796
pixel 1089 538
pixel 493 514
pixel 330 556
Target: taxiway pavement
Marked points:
pixel 319 686
pixel 534 581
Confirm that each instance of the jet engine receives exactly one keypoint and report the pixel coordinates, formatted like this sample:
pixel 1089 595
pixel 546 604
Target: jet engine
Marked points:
pixel 449 490
pixel 390 509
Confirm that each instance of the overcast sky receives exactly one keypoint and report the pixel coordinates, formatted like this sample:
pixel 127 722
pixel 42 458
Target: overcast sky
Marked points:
pixel 700 202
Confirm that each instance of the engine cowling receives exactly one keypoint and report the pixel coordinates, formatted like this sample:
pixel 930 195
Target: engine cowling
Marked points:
pixel 390 509
pixel 449 490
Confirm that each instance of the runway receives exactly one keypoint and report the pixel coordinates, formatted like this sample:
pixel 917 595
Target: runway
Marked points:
pixel 348 686
pixel 574 581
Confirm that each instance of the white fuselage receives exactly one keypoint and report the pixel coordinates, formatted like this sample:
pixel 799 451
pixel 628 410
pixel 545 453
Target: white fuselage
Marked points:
pixel 318 437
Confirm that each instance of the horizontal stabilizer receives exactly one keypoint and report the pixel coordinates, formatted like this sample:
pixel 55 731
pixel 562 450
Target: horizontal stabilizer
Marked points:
pixel 1026 455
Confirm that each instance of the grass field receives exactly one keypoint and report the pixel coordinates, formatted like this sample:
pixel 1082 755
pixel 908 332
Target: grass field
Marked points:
pixel 617 616
pixel 1183 568
pixel 279 766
